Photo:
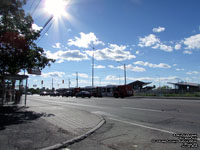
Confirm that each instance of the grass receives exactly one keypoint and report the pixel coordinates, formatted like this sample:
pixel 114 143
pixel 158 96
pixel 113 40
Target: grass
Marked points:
pixel 196 94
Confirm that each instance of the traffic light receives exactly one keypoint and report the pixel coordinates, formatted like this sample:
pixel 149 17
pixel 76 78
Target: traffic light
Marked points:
pixel 63 81
pixel 42 82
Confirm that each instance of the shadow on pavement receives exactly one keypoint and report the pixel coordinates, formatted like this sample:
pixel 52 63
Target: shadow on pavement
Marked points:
pixel 10 115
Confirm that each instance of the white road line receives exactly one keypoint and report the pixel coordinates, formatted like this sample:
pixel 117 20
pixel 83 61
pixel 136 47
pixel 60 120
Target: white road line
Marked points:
pixel 147 127
pixel 143 109
pixel 69 103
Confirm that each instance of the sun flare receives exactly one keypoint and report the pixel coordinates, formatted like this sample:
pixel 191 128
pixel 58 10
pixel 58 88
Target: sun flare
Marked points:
pixel 57 8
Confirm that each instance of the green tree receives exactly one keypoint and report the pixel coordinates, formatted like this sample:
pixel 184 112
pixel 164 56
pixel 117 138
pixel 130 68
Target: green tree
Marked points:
pixel 18 49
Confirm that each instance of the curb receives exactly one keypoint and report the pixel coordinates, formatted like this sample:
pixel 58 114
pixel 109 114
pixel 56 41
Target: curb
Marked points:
pixel 78 138
pixel 162 97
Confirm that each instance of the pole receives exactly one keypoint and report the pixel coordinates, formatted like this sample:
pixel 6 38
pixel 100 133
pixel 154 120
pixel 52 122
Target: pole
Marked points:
pixel 69 82
pixel 52 84
pixel 124 74
pixel 26 91
pixel 93 69
pixel 77 79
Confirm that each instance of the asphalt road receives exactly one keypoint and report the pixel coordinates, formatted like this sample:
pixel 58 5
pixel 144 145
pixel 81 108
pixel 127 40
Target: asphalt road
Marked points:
pixel 137 123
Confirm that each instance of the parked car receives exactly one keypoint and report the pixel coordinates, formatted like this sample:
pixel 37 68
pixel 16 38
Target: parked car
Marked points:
pixel 67 93
pixel 55 93
pixel 83 94
pixel 44 93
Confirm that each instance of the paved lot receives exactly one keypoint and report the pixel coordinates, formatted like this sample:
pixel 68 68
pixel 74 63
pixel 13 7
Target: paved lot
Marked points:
pixel 136 122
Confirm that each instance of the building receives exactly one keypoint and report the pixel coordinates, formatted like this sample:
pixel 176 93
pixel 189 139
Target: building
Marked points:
pixel 11 88
pixel 186 86
pixel 139 85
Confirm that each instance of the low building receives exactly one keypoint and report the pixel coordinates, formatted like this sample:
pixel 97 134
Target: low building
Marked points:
pixel 186 86
pixel 140 85
pixel 11 88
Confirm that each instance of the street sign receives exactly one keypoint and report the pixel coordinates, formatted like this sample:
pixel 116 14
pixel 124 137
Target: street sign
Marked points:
pixel 35 71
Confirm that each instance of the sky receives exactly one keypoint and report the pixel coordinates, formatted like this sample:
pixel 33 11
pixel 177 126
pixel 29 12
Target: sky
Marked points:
pixel 157 40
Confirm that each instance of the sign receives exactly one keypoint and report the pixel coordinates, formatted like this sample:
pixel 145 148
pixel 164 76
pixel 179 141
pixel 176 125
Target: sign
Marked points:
pixel 35 71
pixel 34 85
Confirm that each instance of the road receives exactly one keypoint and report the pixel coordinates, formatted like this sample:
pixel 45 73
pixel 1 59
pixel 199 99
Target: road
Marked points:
pixel 135 123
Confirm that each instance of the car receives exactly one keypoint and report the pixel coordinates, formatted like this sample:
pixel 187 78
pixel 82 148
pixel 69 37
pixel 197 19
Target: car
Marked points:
pixel 44 93
pixel 67 93
pixel 83 94
pixel 55 93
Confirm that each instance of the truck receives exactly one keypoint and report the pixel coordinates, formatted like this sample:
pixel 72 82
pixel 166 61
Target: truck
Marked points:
pixel 123 91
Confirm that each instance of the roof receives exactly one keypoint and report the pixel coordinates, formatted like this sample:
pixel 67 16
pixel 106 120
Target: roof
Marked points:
pixel 15 77
pixel 185 84
pixel 137 82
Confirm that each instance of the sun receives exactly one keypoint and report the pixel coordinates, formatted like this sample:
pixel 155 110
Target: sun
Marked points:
pixel 57 8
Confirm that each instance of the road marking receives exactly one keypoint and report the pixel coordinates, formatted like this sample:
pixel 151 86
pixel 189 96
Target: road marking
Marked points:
pixel 69 103
pixel 143 109
pixel 143 126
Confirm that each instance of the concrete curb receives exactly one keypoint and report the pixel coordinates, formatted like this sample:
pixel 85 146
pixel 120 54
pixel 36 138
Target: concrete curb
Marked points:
pixel 78 138
pixel 162 97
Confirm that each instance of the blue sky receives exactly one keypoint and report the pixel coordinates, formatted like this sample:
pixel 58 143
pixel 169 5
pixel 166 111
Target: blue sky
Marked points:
pixel 158 40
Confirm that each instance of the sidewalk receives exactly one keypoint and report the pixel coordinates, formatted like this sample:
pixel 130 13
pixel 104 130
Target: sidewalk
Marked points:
pixel 41 126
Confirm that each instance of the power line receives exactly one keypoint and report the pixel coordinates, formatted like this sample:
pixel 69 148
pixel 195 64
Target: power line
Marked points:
pixel 35 7
pixel 45 32
pixel 31 5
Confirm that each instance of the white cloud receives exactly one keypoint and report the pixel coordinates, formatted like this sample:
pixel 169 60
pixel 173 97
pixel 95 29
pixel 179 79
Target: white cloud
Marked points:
pixel 69 55
pixel 187 52
pixel 179 69
pixel 59 61
pixel 99 67
pixel 137 52
pixel 177 46
pixel 154 42
pixel 113 52
pixel 82 75
pixel 129 67
pixel 111 78
pixel 159 29
pixel 148 41
pixel 57 45
pixel 36 27
pixel 192 72
pixel 193 42
pixel 161 65
pixel 53 74
pixel 166 48
pixel 85 40
pixel 135 68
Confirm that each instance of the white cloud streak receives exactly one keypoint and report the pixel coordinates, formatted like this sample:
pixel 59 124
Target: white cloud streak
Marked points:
pixel 159 29
pixel 192 42
pixel 36 27
pixel 160 65
pixel 85 40
pixel 69 55
pixel 53 74
pixel 113 52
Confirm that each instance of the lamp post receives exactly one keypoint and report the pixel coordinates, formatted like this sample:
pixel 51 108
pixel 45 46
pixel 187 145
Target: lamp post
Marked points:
pixel 124 72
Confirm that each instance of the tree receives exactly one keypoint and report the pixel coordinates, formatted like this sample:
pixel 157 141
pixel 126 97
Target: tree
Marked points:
pixel 18 49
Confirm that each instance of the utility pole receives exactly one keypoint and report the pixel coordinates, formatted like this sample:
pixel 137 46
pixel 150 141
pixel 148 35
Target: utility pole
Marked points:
pixel 69 82
pixel 93 69
pixel 52 84
pixel 124 74
pixel 77 79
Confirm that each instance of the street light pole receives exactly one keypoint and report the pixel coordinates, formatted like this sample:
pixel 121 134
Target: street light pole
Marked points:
pixel 124 74
pixel 93 69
